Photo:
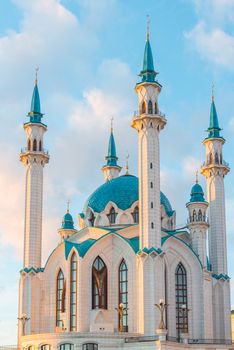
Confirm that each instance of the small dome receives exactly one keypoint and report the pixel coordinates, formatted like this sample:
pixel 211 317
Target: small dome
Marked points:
pixel 68 223
pixel 123 191
pixel 197 194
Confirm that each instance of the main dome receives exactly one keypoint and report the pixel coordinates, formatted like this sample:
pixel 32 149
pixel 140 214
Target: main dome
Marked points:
pixel 123 191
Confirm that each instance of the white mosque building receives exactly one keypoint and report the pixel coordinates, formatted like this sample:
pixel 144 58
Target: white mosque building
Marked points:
pixel 128 278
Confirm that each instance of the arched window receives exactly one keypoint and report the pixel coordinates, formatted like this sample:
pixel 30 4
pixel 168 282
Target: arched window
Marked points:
pixel 34 145
pixel 143 107
pixel 73 293
pixel 150 107
pixel 90 346
pixel 123 293
pixel 40 146
pixel 194 215
pixel 45 347
pixel 66 346
pixel 216 158
pixel 60 298
pixel 135 215
pixel 151 184
pixel 155 108
pixel 151 165
pixel 112 216
pixel 151 205
pixel 221 158
pixel 199 215
pixel 210 158
pixel 99 284
pixel 29 145
pixel 181 299
pixel 91 219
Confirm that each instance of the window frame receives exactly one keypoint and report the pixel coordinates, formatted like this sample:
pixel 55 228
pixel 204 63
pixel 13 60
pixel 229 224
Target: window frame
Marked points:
pixel 99 301
pixel 181 298
pixel 123 285
pixel 73 316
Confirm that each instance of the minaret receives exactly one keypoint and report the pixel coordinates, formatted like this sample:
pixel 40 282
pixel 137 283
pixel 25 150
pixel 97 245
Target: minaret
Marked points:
pixel 214 169
pixel 34 157
pixel 148 122
pixel 111 169
pixel 197 221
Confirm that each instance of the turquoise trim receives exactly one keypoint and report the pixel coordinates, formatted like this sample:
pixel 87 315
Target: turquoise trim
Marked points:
pixel 150 250
pixel 27 270
pixel 123 191
pixel 221 276
pixel 209 266
pixel 214 128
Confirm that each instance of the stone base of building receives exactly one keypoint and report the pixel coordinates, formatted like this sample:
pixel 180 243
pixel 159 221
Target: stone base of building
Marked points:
pixel 114 341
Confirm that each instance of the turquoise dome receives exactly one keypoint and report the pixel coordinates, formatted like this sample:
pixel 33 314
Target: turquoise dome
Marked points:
pixel 123 191
pixel 68 223
pixel 197 194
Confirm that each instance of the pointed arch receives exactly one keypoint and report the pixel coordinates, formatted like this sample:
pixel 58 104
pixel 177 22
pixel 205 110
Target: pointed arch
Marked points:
pixel 112 215
pixel 181 292
pixel 99 284
pixel 40 146
pixel 123 293
pixel 143 107
pixel 199 215
pixel 34 145
pixel 135 214
pixel 194 215
pixel 155 108
pixel 150 107
pixel 216 158
pixel 73 292
pixel 29 145
pixel 60 298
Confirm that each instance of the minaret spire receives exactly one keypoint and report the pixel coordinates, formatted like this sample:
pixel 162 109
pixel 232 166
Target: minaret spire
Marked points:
pixel 111 169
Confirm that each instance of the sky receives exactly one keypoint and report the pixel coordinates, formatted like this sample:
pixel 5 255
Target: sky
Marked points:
pixel 90 54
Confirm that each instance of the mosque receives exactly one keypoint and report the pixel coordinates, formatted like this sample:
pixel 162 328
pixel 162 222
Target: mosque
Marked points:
pixel 129 278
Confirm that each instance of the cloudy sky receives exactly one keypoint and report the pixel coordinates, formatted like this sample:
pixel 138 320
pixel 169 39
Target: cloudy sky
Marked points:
pixel 90 53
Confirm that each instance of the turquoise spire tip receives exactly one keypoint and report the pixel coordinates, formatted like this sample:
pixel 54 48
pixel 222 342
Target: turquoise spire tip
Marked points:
pixel 214 129
pixel 111 157
pixel 148 73
pixel 35 114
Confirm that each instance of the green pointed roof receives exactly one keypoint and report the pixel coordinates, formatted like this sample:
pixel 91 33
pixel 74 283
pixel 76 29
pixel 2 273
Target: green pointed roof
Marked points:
pixel 148 73
pixel 67 223
pixel 35 114
pixel 111 157
pixel 214 129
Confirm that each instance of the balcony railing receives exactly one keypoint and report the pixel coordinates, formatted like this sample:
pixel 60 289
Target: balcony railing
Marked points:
pixel 198 218
pixel 141 339
pixel 161 114
pixel 208 163
pixel 178 340
pixel 26 150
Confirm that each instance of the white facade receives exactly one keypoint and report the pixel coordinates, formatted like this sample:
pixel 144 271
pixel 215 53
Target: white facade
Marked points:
pixel 127 253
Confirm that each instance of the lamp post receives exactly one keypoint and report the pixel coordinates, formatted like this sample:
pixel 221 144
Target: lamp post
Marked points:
pixel 121 309
pixel 23 319
pixel 161 330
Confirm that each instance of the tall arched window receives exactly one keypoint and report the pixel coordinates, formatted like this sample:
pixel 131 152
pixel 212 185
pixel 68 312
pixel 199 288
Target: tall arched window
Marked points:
pixel 210 158
pixel 150 107
pixel 155 108
pixel 73 293
pixel 29 145
pixel 216 158
pixel 90 346
pixel 112 216
pixel 60 298
pixel 199 215
pixel 135 215
pixel 40 146
pixel 34 145
pixel 194 215
pixel 181 299
pixel 123 292
pixel 99 284
pixel 143 107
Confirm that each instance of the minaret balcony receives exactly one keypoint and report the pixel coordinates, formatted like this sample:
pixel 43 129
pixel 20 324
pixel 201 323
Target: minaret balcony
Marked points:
pixel 198 219
pixel 160 114
pixel 25 151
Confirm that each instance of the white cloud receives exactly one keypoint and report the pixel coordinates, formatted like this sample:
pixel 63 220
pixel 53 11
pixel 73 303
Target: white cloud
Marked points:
pixel 214 45
pixel 215 10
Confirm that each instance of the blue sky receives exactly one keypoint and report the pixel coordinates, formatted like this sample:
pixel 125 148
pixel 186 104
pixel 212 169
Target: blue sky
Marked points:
pixel 90 53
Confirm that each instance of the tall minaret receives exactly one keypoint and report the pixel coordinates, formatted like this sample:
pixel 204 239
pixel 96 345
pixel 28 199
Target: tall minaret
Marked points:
pixel 148 122
pixel 214 169
pixel 111 169
pixel 34 157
